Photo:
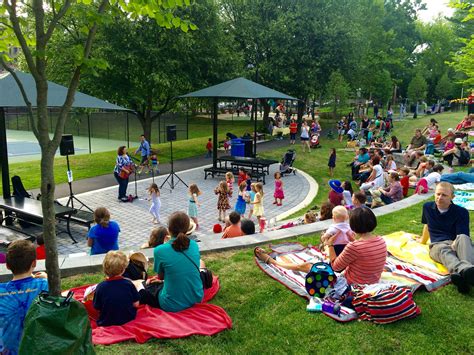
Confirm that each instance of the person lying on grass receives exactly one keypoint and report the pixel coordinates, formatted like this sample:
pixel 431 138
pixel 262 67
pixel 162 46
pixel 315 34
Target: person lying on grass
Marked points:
pixel 362 260
pixel 447 227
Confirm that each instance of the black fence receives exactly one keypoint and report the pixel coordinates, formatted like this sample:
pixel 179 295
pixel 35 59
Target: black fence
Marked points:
pixel 122 126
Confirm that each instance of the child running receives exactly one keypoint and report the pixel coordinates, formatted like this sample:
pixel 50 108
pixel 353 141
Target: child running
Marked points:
pixel 278 194
pixel 155 207
pixel 194 192
pixel 340 229
pixel 229 179
pixel 258 203
pixel 240 205
pixel 222 199
pixel 332 161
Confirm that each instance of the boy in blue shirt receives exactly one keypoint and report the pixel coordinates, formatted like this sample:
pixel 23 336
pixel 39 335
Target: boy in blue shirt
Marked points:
pixel 17 295
pixel 116 298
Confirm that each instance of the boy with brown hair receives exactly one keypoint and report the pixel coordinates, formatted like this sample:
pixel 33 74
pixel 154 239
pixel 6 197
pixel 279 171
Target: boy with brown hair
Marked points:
pixel 17 295
pixel 116 298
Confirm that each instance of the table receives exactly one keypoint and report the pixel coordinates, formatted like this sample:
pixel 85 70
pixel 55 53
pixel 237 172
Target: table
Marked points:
pixel 255 164
pixel 284 131
pixel 30 210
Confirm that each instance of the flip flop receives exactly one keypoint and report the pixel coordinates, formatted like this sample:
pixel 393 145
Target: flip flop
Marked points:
pixel 261 255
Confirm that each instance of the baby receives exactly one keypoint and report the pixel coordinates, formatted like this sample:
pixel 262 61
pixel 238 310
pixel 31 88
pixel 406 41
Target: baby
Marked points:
pixel 340 229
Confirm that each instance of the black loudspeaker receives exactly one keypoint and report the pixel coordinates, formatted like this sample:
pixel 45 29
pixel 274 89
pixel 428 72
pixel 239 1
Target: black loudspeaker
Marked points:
pixel 171 133
pixel 66 147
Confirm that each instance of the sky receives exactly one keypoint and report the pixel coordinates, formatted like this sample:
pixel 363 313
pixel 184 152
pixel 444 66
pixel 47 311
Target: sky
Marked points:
pixel 434 7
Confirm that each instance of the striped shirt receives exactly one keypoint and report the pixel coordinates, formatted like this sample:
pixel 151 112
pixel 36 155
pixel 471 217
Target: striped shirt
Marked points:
pixel 362 260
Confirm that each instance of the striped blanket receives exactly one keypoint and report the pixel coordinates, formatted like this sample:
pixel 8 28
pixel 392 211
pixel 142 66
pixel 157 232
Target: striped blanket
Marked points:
pixel 396 272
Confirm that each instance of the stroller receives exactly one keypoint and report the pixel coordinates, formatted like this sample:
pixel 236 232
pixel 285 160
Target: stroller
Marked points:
pixel 314 141
pixel 286 165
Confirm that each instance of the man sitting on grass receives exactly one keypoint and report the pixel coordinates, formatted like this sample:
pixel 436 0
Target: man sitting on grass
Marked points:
pixel 17 295
pixel 418 143
pixel 448 227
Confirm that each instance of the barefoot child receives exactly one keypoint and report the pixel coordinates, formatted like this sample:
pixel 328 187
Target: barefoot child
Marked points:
pixel 258 205
pixel 339 229
pixel 278 194
pixel 194 192
pixel 155 207
pixel 229 179
pixel 240 205
pixel 332 161
pixel 222 199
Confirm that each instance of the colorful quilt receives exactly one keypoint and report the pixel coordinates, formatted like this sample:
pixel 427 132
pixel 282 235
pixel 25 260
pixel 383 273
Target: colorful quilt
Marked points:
pixel 396 272
pixel 464 199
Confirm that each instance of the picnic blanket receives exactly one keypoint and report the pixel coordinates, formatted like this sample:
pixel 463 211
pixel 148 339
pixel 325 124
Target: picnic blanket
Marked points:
pixel 200 319
pixel 464 199
pixel 396 272
pixel 462 187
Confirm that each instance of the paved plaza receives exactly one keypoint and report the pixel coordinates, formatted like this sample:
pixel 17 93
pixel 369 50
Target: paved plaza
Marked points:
pixel 135 220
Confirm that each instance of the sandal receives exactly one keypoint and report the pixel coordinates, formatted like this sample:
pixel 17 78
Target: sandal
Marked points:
pixel 261 255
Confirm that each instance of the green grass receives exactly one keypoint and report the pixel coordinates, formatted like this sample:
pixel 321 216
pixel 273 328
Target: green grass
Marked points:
pixel 268 318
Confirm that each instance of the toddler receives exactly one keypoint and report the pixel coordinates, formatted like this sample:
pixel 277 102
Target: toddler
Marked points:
pixel 404 180
pixel 240 205
pixel 194 192
pixel 278 194
pixel 222 190
pixel 116 298
pixel 339 234
pixel 347 194
pixel 229 179
pixel 258 205
pixel 155 207
pixel 429 181
pixel 332 162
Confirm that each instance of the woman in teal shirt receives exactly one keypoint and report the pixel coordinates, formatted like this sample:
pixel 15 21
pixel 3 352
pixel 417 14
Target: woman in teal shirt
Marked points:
pixel 177 263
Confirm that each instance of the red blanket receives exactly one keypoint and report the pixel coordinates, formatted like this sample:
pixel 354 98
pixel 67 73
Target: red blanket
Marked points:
pixel 201 319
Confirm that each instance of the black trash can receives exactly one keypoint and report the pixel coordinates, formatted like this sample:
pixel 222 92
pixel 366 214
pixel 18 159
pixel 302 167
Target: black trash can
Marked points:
pixel 248 149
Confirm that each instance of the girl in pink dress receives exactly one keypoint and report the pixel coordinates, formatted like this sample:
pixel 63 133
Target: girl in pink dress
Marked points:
pixel 278 194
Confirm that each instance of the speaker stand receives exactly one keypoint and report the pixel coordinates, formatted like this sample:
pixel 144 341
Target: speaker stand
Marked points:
pixel 72 198
pixel 172 174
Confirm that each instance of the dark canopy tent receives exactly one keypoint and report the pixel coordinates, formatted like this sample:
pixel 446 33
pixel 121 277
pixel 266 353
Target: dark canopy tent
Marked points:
pixel 10 97
pixel 239 88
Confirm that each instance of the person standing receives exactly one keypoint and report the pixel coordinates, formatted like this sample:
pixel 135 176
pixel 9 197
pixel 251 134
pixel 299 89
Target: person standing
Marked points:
pixel 293 130
pixel 145 152
pixel 123 169
pixel 305 137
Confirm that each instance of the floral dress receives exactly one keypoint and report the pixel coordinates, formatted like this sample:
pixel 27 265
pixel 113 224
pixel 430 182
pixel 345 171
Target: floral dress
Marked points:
pixel 222 200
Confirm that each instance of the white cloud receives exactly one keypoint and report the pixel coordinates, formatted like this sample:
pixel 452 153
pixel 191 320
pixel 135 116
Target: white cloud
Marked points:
pixel 434 8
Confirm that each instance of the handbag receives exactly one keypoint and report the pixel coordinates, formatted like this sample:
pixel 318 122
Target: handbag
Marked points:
pixel 385 306
pixel 319 279
pixel 56 325
pixel 205 273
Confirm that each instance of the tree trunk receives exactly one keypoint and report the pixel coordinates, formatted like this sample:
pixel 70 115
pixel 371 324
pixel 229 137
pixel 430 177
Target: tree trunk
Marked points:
pixel 147 124
pixel 301 107
pixel 266 112
pixel 49 220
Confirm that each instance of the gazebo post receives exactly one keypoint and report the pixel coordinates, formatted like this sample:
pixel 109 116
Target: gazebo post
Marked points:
pixel 4 155
pixel 214 132
pixel 255 128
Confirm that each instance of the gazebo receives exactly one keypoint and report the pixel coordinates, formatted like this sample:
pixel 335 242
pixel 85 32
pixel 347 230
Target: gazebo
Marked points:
pixel 10 97
pixel 239 88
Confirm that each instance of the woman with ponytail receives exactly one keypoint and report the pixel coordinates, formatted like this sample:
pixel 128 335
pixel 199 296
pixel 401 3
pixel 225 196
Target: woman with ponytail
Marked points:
pixel 177 262
pixel 103 237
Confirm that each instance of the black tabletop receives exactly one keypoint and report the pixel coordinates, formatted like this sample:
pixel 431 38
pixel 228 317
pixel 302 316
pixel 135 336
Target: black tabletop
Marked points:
pixel 31 207
pixel 247 160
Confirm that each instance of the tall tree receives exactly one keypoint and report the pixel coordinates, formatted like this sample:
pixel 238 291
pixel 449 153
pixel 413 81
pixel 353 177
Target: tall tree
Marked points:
pixel 337 90
pixel 30 26
pixel 444 87
pixel 417 88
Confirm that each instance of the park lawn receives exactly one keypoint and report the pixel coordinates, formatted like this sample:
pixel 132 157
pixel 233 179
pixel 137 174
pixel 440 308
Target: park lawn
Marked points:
pixel 268 318
pixel 90 165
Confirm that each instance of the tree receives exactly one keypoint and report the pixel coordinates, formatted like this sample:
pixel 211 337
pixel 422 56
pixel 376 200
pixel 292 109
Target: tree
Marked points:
pixel 337 89
pixel 30 25
pixel 444 87
pixel 417 88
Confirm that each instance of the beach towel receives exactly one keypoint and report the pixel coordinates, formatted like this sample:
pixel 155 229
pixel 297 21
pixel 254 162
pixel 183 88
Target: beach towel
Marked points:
pixel 396 272
pixel 464 199
pixel 200 319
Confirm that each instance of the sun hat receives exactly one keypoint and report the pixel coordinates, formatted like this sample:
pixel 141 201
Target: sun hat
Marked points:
pixel 450 130
pixel 336 186
pixel 192 227
pixel 458 141
pixel 217 228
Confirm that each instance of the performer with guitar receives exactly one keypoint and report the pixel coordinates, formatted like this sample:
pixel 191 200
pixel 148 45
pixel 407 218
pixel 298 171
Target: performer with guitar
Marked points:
pixel 123 168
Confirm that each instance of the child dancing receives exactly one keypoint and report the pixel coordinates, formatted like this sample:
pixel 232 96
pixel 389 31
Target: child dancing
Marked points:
pixel 194 192
pixel 278 194
pixel 258 205
pixel 240 205
pixel 222 190
pixel 155 207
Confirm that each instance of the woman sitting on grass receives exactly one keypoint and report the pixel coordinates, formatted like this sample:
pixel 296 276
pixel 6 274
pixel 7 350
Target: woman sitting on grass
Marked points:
pixel 362 260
